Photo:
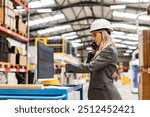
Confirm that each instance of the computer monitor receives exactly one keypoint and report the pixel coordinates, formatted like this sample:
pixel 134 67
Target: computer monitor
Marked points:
pixel 45 62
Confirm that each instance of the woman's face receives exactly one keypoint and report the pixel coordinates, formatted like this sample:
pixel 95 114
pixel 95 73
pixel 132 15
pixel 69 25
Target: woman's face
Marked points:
pixel 97 37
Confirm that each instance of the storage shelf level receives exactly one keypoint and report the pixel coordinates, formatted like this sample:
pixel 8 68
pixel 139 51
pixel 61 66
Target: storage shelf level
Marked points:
pixel 13 70
pixel 21 4
pixel 13 34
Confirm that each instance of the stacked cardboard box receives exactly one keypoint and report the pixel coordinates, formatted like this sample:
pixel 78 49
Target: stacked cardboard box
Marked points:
pixel 23 60
pixel 144 86
pixel 144 59
pixel 144 48
pixel 11 19
pixel 15 56
pixel 1 11
pixel 20 26
pixel 12 58
pixel 7 15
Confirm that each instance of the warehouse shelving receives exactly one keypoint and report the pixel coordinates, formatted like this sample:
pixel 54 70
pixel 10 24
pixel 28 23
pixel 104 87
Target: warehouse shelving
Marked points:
pixel 21 4
pixel 10 33
pixel 6 32
pixel 17 70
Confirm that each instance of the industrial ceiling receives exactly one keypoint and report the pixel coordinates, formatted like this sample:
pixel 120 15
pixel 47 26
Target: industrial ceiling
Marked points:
pixel 55 18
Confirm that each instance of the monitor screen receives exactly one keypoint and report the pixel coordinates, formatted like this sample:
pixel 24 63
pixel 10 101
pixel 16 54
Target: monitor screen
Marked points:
pixel 45 62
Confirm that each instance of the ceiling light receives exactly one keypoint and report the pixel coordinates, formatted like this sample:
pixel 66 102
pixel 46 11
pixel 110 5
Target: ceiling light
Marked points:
pixel 47 2
pixel 144 18
pixel 118 32
pixel 76 41
pixel 125 37
pixel 39 21
pixel 31 23
pixel 128 26
pixel 129 51
pixel 117 40
pixel 57 28
pixel 130 15
pixel 126 54
pixel 54 37
pixel 69 34
pixel 35 4
pixel 78 55
pixel 89 48
pixel 134 1
pixel 77 44
pixel 124 15
pixel 70 37
pixel 42 3
pixel 57 17
pixel 46 19
pixel 19 9
pixel 120 45
pixel 44 10
pixel 130 42
pixel 117 6
pixel 132 47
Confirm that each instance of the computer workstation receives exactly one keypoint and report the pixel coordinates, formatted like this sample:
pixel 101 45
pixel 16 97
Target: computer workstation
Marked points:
pixel 44 72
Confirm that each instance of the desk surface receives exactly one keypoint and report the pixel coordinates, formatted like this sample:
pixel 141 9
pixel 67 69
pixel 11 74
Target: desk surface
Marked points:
pixel 48 91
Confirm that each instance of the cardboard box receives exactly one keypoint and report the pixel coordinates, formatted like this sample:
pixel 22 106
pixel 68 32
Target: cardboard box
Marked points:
pixel 12 58
pixel 18 19
pixel 144 48
pixel 1 11
pixel 7 17
pixel 22 27
pixel 23 60
pixel 144 86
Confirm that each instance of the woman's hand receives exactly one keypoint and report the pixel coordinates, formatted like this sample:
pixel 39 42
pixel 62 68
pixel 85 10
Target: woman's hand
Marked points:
pixel 60 64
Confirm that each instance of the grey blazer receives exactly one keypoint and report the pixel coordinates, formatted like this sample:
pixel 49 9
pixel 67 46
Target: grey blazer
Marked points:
pixel 102 67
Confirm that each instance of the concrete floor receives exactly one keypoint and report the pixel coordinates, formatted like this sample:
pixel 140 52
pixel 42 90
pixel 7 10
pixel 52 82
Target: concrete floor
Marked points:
pixel 125 92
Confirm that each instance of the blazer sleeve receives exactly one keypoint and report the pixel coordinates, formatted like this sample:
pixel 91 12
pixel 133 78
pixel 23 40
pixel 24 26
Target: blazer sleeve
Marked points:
pixel 78 68
pixel 103 59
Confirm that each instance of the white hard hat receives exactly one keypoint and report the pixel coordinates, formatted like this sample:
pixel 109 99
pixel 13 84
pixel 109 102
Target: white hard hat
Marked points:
pixel 100 24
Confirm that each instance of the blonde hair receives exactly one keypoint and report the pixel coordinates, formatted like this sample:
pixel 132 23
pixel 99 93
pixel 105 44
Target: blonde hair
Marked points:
pixel 106 41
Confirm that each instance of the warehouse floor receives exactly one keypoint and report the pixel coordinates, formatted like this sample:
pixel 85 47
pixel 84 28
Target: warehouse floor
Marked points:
pixel 125 92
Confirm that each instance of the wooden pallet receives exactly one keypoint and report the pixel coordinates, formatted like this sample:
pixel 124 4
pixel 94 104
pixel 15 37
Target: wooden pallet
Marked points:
pixel 18 66
pixel 8 27
pixel 23 34
pixel 22 67
pixel 4 65
pixel 14 66
pixel 13 29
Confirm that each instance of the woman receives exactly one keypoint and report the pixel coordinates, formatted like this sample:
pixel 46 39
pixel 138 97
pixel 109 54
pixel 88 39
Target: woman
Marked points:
pixel 102 65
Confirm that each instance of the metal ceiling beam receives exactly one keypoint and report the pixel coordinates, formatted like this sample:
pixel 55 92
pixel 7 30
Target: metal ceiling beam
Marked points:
pixel 92 3
pixel 41 27
pixel 89 3
pixel 58 34
pixel 63 23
